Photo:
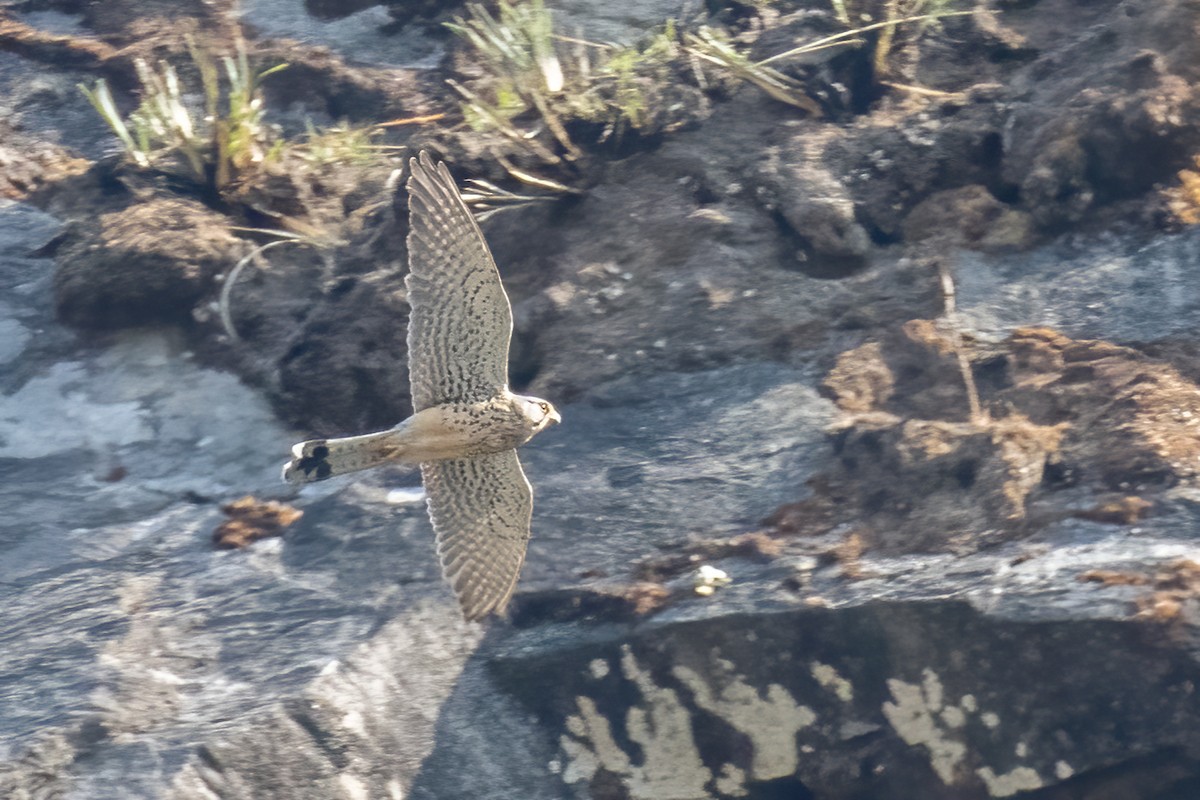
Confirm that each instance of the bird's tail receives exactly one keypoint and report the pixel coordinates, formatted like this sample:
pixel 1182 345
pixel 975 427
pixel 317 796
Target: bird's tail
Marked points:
pixel 319 459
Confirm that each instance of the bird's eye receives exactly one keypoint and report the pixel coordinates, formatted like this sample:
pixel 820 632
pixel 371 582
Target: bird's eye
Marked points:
pixel 545 407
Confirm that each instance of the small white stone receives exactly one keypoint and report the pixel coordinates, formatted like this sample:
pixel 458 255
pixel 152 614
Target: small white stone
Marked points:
pixel 708 578
pixel 953 716
pixel 405 495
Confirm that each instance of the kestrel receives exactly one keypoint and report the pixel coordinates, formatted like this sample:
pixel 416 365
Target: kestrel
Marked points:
pixel 466 424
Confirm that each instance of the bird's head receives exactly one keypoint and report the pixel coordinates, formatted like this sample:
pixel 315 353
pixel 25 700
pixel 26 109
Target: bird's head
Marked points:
pixel 538 413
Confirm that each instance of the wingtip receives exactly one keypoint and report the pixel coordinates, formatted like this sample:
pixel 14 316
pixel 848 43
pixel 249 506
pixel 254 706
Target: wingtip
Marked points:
pixel 478 608
pixel 475 603
pixel 431 178
pixel 482 612
pixel 424 162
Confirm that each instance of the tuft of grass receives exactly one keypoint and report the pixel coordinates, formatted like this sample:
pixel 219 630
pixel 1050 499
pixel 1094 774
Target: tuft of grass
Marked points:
pixel 839 11
pixel 852 37
pixel 708 46
pixel 345 144
pixel 625 89
pixel 241 136
pixel 215 145
pixel 518 43
pixel 519 48
pixel 533 84
pixel 923 13
pixel 163 120
pixel 486 199
pixel 712 48
pixel 102 100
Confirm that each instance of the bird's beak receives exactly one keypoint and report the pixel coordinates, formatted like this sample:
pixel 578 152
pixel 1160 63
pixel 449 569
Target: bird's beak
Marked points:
pixel 554 418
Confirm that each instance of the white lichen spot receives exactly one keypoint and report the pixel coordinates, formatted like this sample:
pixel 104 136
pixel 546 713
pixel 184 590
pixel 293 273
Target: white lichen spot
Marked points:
pixel 590 727
pixel 732 781
pixel 953 716
pixel 770 719
pixel 582 762
pixel 921 716
pixel 1019 779
pixel 912 717
pixel 598 667
pixel 575 724
pixel 669 763
pixel 933 689
pixel 1063 770
pixel 829 678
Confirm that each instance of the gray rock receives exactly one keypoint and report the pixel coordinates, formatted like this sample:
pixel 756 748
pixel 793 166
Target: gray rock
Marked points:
pixel 967 678
pixel 330 662
pixel 816 206
pixel 622 22
pixel 1117 288
pixel 359 38
pixel 48 104
pixel 136 661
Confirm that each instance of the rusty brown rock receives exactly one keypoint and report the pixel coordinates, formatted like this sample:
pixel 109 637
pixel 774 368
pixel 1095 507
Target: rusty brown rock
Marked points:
pixel 1058 413
pixel 251 519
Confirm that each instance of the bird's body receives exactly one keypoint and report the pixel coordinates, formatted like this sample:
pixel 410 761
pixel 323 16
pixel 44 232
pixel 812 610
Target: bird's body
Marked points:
pixel 437 433
pixel 466 423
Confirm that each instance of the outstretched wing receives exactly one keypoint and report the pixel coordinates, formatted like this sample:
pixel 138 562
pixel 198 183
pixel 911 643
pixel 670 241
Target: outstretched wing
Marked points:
pixel 461 322
pixel 481 509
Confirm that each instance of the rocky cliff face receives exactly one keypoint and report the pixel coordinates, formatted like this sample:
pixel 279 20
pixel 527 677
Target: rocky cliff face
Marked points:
pixel 802 533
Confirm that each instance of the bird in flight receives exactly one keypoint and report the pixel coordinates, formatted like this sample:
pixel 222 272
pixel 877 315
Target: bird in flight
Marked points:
pixel 466 424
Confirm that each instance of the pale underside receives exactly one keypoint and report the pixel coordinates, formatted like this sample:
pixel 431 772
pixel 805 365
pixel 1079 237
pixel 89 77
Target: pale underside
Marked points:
pixel 481 509
pixel 458 338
